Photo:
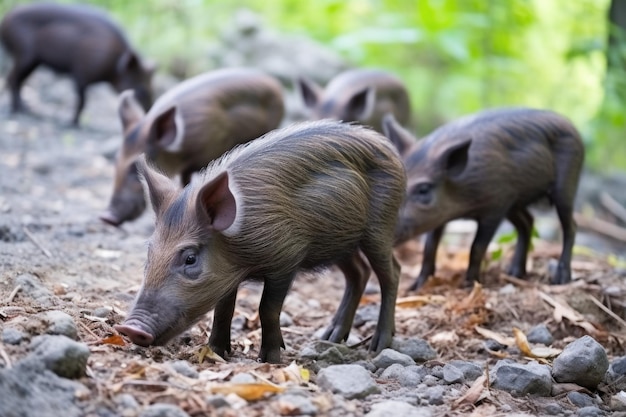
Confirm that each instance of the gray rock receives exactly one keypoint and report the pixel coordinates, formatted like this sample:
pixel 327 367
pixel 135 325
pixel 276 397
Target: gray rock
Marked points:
pixel 579 399
pixel 618 366
pixel 102 312
pixel 470 370
pixel 297 404
pixel 365 314
pixel 60 323
pixel 434 395
pixel 32 286
pixel 452 374
pixel 243 378
pixel 332 355
pixel 418 349
pixel 583 362
pixel 126 401
pixel 392 408
pixel 349 381
pixel 522 379
pixel 410 376
pixel 309 352
pixel 184 368
pixel 368 365
pixel 388 357
pixel 217 401
pixel 590 412
pixel 550 409
pixel 392 372
pixel 540 334
pixel 27 389
pixel 163 410
pixel 12 336
pixel 618 401
pixel 430 380
pixel 285 319
pixel 60 354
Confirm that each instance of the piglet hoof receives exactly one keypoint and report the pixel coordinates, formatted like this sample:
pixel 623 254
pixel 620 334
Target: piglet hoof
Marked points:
pixel 135 334
pixel 269 355
pixel 335 334
pixel 516 271
pixel 418 283
pixel 380 341
pixel 563 276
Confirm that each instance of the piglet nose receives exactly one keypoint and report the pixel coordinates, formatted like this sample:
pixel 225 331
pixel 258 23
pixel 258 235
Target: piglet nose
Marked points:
pixel 110 218
pixel 135 334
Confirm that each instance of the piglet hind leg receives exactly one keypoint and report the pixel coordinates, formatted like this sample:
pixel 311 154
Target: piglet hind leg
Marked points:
pixel 429 258
pixel 219 341
pixel 523 222
pixel 356 272
pixel 274 293
pixel 387 270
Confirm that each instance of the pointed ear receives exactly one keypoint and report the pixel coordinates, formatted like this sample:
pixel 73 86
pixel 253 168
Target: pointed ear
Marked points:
pixel 161 189
pixel 361 105
pixel 309 91
pixel 454 159
pixel 129 109
pixel 129 61
pixel 217 203
pixel 399 136
pixel 164 130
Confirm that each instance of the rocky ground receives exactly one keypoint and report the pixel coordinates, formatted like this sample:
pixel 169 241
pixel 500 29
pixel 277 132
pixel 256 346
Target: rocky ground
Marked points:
pixel 506 347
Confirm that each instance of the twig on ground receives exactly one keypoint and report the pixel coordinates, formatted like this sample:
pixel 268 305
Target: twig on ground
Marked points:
pixel 36 242
pixel 13 293
pixel 5 356
pixel 601 226
pixel 613 206
pixel 607 310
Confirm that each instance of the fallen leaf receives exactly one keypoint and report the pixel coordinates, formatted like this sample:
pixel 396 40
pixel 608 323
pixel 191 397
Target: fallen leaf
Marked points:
pixel 415 301
pixel 538 352
pixel 475 299
pixel 208 375
pixel 563 310
pixel 249 392
pixel 475 393
pixel 503 340
pixel 206 352
pixel 292 373
pixel 116 340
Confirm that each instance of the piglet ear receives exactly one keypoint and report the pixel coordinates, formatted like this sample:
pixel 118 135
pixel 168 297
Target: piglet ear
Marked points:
pixel 454 159
pixel 399 136
pixel 129 109
pixel 129 61
pixel 217 203
pixel 309 91
pixel 361 105
pixel 164 130
pixel 161 189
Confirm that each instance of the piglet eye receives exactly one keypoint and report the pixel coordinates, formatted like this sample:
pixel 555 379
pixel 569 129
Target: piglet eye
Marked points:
pixel 424 188
pixel 190 259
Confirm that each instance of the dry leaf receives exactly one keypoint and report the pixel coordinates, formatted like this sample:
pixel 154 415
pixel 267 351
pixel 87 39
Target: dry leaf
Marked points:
pixel 475 299
pixel 484 410
pixel 563 310
pixel 444 339
pixel 503 340
pixel 419 300
pixel 538 352
pixel 475 393
pixel 116 340
pixel 208 375
pixel 206 352
pixel 249 392
pixel 292 373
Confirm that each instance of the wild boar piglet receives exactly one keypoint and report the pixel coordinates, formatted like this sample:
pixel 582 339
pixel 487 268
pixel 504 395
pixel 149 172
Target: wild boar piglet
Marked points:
pixel 300 198
pixel 488 167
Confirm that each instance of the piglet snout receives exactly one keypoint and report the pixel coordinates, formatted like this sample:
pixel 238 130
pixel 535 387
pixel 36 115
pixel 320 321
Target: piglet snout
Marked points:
pixel 135 334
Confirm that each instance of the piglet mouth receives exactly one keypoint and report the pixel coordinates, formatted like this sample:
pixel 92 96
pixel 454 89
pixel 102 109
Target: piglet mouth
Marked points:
pixel 137 332
pixel 110 218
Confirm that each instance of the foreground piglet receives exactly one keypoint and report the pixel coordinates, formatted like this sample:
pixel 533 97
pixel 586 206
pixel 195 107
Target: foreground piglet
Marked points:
pixel 301 197
pixel 488 167
pixel 358 95
pixel 188 127
pixel 78 40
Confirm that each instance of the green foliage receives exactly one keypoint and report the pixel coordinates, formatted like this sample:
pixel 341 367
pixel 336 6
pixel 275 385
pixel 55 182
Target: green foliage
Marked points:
pixel 456 56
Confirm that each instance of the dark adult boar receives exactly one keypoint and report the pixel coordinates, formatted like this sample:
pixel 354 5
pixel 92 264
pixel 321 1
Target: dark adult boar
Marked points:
pixel 359 95
pixel 78 40
pixel 188 127
pixel 488 167
pixel 301 197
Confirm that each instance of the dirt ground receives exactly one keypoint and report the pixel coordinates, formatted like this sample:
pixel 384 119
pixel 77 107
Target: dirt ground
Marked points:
pixel 55 180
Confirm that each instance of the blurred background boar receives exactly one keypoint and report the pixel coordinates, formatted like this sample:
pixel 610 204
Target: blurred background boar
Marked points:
pixel 188 127
pixel 81 41
pixel 488 167
pixel 302 197
pixel 358 95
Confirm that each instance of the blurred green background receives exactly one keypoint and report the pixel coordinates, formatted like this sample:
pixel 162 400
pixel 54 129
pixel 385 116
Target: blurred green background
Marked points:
pixel 456 56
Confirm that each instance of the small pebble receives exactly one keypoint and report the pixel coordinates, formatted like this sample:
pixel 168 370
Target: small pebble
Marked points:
pixel 293 404
pixel 102 312
pixel 184 368
pixel 590 412
pixel 60 323
pixel 163 410
pixel 583 362
pixel 417 349
pixel 349 381
pixel 580 400
pixel 491 344
pixel 12 336
pixel 452 374
pixel 216 401
pixel 285 319
pixel 388 357
pixel 540 334
pixel 434 395
pixel 332 355
pixel 391 408
pixel 243 378
pixel 430 380
pixel 126 401
pixel 62 355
